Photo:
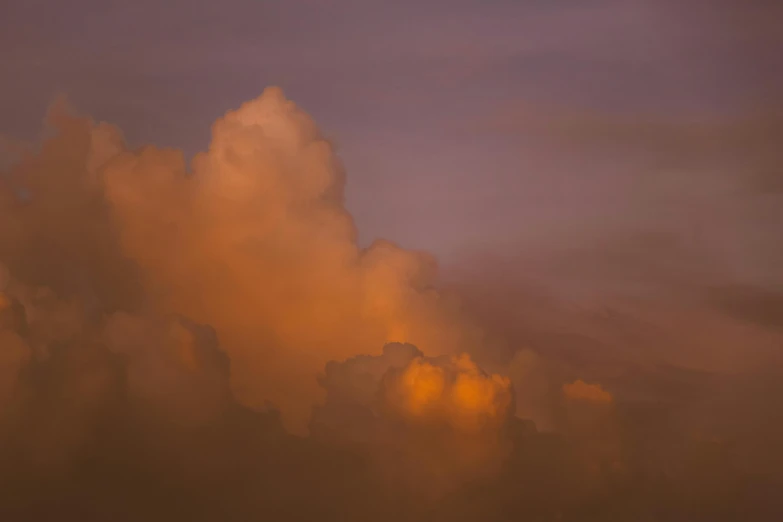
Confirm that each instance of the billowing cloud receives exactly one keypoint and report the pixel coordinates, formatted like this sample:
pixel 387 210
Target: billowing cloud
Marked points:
pixel 455 392
pixel 253 239
pixel 211 332
pixel 429 423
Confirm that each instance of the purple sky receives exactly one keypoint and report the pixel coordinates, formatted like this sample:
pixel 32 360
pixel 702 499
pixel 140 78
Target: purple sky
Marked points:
pixel 437 106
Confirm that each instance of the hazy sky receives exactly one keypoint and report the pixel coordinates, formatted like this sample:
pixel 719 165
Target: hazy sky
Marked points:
pixel 442 110
pixel 429 102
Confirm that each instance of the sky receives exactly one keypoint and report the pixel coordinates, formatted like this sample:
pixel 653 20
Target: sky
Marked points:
pixel 428 102
pixel 363 260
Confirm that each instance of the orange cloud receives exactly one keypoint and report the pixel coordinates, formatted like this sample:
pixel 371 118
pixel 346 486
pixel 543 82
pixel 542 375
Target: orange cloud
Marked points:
pixel 251 238
pixel 582 391
pixel 455 392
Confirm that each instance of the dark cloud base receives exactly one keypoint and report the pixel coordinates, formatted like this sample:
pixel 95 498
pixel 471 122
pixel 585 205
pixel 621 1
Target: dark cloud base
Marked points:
pixel 116 458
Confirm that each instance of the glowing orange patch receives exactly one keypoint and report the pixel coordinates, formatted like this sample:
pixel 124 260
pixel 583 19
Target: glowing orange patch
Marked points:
pixel 424 385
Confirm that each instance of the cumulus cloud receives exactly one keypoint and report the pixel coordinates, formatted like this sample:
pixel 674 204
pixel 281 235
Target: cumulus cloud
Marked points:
pixel 252 239
pixel 210 332
pixel 429 423
pixel 255 241
pixel 160 299
pixel 456 392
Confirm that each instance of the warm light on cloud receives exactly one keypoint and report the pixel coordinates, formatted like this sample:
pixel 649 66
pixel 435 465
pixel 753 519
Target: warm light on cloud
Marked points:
pixel 582 391
pixel 421 388
pixel 213 332
pixel 257 243
pixel 456 392
pixel 252 239
pixel 431 424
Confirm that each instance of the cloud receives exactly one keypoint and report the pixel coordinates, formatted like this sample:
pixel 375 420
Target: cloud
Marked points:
pixel 457 393
pixel 202 341
pixel 581 391
pixel 173 365
pixel 14 350
pixel 192 303
pixel 253 239
pixel 429 424
pixel 256 242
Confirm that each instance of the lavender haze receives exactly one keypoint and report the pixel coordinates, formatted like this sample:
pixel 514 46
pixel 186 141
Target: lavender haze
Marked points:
pixel 364 260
